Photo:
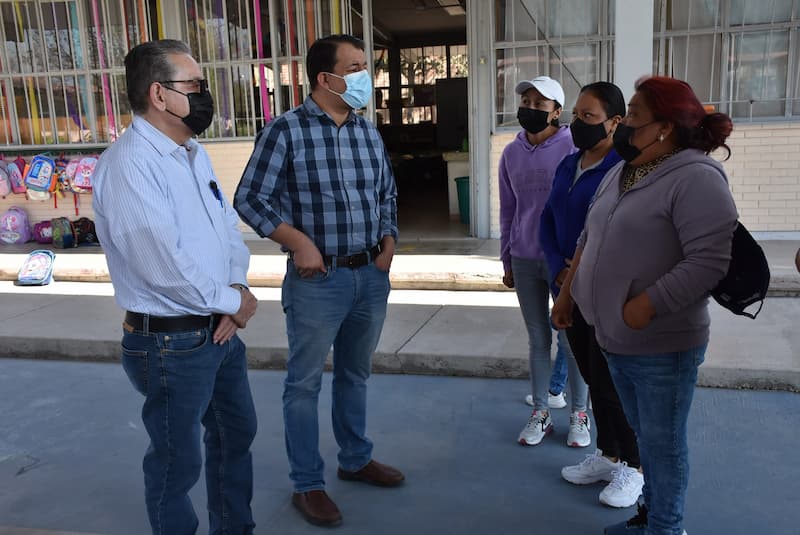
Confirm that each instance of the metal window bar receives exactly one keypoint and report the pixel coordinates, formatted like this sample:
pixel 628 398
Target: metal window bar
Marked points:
pixel 730 41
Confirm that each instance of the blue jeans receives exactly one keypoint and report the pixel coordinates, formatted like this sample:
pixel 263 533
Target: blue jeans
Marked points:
pixel 558 377
pixel 189 381
pixel 531 280
pixel 344 308
pixel 656 392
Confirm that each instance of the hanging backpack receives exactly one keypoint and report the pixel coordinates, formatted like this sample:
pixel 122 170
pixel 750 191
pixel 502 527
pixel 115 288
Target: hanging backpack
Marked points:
pixel 43 232
pixel 37 269
pixel 14 226
pixel 63 233
pixel 69 172
pixel 747 280
pixel 41 176
pixel 16 170
pixel 81 181
pixel 5 181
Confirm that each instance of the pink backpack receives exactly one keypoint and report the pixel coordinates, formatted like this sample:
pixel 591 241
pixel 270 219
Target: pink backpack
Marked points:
pixel 43 232
pixel 14 226
pixel 5 181
pixel 15 172
pixel 81 181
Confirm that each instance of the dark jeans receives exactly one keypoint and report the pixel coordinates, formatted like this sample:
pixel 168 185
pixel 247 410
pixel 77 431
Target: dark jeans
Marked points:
pixel 189 382
pixel 614 436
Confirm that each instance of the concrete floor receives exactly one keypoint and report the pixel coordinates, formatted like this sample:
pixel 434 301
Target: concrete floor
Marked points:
pixel 71 443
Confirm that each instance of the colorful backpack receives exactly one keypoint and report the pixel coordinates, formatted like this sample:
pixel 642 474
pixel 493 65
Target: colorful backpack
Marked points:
pixel 5 181
pixel 63 233
pixel 81 181
pixel 41 176
pixel 84 231
pixel 37 270
pixel 14 226
pixel 69 172
pixel 43 232
pixel 16 170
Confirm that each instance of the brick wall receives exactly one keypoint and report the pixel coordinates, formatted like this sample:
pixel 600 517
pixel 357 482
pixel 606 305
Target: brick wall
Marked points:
pixel 763 172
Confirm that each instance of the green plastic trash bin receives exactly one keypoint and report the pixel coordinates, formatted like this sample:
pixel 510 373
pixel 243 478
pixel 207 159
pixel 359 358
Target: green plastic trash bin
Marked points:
pixel 462 187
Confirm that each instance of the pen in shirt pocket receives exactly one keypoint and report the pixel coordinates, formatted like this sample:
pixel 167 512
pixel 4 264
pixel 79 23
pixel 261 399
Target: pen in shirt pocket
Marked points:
pixel 217 194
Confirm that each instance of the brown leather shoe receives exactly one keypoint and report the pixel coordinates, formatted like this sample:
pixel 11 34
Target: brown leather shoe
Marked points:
pixel 375 473
pixel 317 507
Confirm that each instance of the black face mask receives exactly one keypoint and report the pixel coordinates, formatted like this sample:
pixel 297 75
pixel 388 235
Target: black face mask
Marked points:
pixel 201 110
pixel 623 145
pixel 585 136
pixel 533 121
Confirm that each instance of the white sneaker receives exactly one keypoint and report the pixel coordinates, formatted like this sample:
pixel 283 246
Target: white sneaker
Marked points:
pixel 578 436
pixel 592 469
pixel 554 402
pixel 559 401
pixel 625 489
pixel 539 426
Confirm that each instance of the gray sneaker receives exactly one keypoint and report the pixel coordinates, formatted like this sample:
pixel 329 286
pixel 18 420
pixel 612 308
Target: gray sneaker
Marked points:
pixel 539 426
pixel 578 436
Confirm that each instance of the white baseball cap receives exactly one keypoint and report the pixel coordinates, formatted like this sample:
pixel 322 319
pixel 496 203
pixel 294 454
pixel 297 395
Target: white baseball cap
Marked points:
pixel 545 85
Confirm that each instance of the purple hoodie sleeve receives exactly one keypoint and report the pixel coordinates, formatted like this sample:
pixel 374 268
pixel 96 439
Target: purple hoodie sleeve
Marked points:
pixel 704 216
pixel 508 206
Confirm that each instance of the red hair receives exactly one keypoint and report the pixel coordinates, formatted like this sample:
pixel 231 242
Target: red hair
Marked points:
pixel 674 101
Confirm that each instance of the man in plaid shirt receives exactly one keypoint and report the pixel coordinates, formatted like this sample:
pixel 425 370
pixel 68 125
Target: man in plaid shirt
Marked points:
pixel 319 182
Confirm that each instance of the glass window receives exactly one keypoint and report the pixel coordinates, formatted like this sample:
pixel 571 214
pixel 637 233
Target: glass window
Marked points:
pixel 459 64
pixel 745 12
pixel 743 73
pixel 420 67
pixel 758 75
pixel 548 39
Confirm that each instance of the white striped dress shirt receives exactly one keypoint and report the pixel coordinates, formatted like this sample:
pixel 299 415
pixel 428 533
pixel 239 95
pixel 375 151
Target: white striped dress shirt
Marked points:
pixel 172 246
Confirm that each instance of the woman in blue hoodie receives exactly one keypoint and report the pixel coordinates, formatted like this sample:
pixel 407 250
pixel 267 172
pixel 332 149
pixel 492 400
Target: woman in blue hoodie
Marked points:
pixel 598 111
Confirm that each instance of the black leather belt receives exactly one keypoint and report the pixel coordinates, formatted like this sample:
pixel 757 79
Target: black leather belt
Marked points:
pixel 353 261
pixel 170 324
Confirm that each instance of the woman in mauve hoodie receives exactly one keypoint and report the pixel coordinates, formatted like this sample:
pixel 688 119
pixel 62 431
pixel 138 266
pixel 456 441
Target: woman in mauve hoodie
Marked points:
pixel 526 172
pixel 657 239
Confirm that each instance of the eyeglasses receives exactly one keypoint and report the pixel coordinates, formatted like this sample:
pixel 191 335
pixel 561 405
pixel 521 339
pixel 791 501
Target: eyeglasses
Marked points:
pixel 200 86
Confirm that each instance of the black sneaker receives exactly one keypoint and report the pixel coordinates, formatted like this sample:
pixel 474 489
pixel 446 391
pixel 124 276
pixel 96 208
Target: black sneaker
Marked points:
pixel 635 525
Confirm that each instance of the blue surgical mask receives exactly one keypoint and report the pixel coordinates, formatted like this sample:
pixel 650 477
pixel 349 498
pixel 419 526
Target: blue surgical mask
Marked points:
pixel 359 88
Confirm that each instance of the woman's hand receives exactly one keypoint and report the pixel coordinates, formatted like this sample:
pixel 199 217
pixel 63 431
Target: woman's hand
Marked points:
pixel 508 279
pixel 638 312
pixel 561 315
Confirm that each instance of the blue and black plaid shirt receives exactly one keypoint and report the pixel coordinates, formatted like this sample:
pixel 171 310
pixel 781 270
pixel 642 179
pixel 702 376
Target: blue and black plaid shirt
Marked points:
pixel 334 184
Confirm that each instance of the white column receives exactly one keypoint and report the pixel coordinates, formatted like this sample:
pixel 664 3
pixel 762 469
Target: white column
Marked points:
pixel 633 43
pixel 481 80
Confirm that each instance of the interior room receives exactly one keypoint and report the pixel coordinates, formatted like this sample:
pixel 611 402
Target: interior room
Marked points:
pixel 421 69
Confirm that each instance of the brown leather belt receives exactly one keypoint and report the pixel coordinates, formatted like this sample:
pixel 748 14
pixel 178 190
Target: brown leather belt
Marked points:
pixel 353 261
pixel 170 324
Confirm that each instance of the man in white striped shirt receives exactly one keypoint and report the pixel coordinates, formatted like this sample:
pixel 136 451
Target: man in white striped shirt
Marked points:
pixel 179 268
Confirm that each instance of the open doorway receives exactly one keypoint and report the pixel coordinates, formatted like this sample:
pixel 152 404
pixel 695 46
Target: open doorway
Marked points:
pixel 421 69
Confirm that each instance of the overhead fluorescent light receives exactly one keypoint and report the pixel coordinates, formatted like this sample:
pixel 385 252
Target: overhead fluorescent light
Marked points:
pixel 452 8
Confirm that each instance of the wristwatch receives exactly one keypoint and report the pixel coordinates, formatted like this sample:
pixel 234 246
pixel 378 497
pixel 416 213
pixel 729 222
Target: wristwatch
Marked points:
pixel 240 287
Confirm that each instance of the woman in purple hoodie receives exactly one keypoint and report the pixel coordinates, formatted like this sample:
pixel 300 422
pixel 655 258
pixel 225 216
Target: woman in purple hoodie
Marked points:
pixel 527 167
pixel 657 240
